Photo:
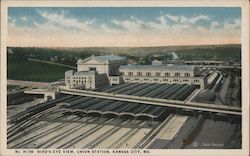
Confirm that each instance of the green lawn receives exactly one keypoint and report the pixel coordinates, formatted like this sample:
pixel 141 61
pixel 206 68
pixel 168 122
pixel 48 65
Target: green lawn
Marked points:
pixel 35 71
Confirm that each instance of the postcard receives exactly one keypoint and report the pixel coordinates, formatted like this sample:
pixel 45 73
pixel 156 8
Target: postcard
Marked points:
pixel 125 78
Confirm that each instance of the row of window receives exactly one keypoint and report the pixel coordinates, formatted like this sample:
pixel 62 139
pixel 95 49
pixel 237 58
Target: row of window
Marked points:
pixel 157 80
pixel 196 80
pixel 83 78
pixel 83 82
pixel 156 74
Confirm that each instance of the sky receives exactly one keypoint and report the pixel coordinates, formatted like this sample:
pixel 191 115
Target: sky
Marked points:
pixel 122 26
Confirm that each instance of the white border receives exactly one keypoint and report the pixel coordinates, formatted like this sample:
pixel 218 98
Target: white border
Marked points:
pixel 244 4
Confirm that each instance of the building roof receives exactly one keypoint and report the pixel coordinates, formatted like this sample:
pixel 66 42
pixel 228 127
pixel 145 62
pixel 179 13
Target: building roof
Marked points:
pixel 103 58
pixel 157 67
pixel 85 73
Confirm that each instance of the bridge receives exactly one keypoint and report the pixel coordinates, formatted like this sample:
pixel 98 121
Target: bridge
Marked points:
pixel 48 95
pixel 231 110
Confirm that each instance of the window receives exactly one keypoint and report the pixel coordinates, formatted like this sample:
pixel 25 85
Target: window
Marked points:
pixel 165 79
pixel 187 74
pixel 139 74
pixel 177 74
pixel 155 79
pixel 92 68
pixel 148 74
pixel 167 74
pixel 157 74
pixel 130 73
pixel 122 73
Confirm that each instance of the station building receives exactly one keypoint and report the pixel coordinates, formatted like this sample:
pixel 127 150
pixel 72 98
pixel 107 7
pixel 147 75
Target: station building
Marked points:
pixel 99 71
pixel 93 72
pixel 108 64
pixel 174 74
pixel 85 79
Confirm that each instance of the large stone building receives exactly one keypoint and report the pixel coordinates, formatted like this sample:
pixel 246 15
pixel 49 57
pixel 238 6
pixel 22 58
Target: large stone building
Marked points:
pixel 179 74
pixel 98 71
pixel 93 72
pixel 85 79
pixel 108 64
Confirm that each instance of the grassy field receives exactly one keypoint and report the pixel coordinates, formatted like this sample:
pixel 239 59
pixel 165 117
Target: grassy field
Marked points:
pixel 35 71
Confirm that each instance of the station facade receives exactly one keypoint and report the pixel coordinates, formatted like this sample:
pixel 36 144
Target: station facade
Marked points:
pixel 176 74
pixel 99 71
pixel 93 72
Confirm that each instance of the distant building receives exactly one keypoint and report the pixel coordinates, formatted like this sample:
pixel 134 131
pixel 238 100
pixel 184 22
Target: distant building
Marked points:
pixel 156 62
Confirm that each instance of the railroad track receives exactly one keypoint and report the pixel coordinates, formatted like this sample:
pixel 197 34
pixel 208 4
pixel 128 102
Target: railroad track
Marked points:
pixel 128 136
pixel 78 138
pixel 25 123
pixel 16 128
pixel 39 136
pixel 62 135
pixel 37 109
pixel 104 136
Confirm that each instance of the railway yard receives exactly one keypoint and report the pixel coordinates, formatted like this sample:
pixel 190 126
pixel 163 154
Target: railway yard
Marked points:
pixel 75 122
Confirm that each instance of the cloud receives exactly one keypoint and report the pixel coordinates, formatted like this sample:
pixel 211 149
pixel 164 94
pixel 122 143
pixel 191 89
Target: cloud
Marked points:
pixel 23 18
pixel 193 20
pixel 131 25
pixel 11 20
pixel 234 25
pixel 63 21
pixel 214 25
pixel 62 29
pixel 173 18
pixel 183 19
